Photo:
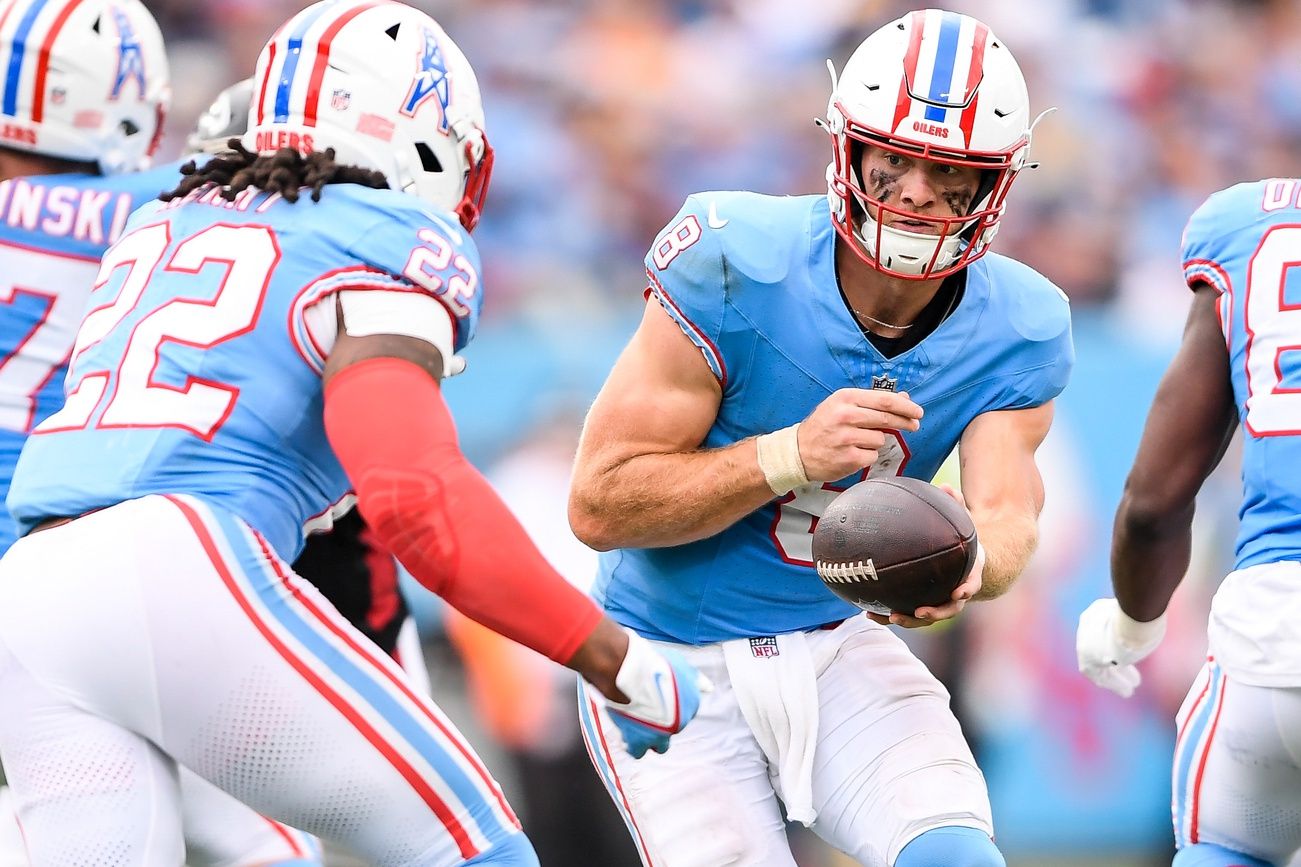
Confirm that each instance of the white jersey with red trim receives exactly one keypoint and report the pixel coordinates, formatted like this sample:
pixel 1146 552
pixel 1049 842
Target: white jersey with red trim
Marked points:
pixel 197 370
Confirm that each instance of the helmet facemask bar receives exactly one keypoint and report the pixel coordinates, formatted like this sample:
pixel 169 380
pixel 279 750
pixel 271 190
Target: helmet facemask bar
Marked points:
pixel 911 255
pixel 477 179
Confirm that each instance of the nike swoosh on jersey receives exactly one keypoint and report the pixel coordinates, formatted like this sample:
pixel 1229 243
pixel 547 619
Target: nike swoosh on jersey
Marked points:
pixel 712 218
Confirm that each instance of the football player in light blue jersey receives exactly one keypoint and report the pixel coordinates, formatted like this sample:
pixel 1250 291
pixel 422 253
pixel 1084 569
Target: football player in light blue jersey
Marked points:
pixel 258 347
pixel 67 185
pixel 74 163
pixel 1237 761
pixel 789 348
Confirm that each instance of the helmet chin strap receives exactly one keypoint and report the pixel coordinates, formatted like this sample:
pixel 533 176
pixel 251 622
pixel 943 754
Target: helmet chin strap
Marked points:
pixel 907 252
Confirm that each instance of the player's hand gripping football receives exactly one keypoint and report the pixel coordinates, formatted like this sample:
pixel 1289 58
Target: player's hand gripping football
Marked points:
pixel 1109 642
pixel 845 433
pixel 663 691
pixel 962 594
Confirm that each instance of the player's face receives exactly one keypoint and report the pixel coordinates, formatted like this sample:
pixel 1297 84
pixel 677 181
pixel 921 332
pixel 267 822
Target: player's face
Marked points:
pixel 916 186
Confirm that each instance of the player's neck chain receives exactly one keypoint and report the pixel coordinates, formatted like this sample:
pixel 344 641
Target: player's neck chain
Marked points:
pixel 882 322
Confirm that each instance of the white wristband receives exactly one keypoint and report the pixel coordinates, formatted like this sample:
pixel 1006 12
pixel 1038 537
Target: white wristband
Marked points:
pixel 779 458
pixel 1138 635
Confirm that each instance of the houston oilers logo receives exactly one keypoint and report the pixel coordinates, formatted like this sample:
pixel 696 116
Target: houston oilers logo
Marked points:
pixel 130 57
pixel 431 80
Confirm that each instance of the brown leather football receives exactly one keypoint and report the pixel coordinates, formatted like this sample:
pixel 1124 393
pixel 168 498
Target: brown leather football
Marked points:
pixel 894 544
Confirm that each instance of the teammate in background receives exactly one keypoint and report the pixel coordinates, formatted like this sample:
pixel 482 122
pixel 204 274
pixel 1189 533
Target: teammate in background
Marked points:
pixel 791 347
pixel 67 186
pixel 215 404
pixel 1237 761
pixel 86 86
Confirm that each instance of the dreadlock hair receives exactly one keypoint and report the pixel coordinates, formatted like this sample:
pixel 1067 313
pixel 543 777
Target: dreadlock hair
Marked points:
pixel 286 172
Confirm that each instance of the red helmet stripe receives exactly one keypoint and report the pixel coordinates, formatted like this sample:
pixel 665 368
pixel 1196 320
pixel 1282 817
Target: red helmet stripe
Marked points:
pixel 323 59
pixel 904 103
pixel 266 79
pixel 974 74
pixel 43 65
pixel 271 63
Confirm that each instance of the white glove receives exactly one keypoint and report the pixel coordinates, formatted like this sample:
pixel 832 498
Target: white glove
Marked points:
pixel 1109 642
pixel 663 692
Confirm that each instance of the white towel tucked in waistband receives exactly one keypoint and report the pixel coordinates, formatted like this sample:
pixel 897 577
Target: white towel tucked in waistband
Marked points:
pixel 776 688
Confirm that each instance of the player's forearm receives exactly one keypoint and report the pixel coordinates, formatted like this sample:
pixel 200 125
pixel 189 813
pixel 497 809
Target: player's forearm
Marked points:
pixel 1149 557
pixel 657 500
pixel 1008 542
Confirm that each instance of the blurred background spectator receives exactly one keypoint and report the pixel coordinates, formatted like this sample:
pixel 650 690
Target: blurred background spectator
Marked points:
pixel 606 113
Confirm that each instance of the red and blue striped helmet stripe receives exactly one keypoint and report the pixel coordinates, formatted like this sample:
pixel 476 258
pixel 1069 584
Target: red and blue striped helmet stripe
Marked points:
pixel 944 61
pixel 298 45
pixel 19 54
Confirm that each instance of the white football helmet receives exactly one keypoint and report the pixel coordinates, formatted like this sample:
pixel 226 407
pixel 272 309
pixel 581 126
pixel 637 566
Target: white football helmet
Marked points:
pixel 385 87
pixel 84 80
pixel 225 119
pixel 932 85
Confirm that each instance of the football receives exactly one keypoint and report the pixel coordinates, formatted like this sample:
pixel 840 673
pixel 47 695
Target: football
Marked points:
pixel 894 544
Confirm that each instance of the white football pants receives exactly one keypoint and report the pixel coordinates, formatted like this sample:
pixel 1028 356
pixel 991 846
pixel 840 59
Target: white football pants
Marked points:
pixel 1237 767
pixel 889 763
pixel 163 630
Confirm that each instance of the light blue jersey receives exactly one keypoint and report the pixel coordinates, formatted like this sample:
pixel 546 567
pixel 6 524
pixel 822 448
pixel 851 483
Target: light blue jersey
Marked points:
pixel 53 229
pixel 1246 242
pixel 198 369
pixel 751 280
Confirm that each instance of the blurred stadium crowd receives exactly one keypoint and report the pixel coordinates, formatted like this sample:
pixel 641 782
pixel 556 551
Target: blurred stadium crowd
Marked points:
pixel 605 114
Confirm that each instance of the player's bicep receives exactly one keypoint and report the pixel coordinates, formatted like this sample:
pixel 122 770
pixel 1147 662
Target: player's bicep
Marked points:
pixel 997 460
pixel 1192 418
pixel 661 397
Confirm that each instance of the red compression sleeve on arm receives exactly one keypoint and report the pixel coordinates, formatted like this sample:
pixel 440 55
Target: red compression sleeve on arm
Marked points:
pixel 391 430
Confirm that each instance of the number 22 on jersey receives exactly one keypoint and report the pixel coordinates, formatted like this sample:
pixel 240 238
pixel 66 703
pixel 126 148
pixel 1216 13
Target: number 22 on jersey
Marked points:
pixel 129 396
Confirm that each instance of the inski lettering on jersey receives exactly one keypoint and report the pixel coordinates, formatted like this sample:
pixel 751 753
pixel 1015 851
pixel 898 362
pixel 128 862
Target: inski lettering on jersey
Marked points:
pixel 62 210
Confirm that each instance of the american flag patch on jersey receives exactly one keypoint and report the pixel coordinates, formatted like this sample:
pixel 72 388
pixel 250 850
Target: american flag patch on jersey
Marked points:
pixel 764 646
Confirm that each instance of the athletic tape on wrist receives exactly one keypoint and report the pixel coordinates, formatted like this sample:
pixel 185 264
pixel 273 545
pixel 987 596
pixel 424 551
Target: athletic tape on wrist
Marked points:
pixel 779 458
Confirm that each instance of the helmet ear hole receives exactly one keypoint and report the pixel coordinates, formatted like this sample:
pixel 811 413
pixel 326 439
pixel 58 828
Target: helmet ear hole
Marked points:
pixel 428 159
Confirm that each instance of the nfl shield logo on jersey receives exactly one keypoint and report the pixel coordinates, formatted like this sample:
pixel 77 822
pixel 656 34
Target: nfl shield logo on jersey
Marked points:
pixel 885 383
pixel 764 646
pixel 340 99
